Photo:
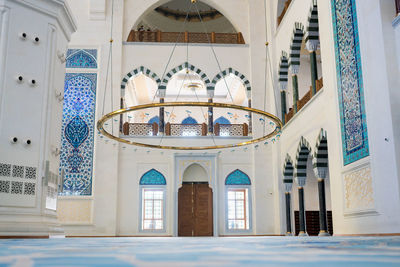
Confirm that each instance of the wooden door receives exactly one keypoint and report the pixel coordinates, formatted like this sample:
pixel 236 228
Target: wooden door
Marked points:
pixel 195 213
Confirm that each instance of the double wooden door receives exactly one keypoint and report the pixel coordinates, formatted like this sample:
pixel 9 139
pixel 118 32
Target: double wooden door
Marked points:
pixel 195 212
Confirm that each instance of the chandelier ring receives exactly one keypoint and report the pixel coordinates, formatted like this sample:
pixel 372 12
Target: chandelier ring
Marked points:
pixel 105 118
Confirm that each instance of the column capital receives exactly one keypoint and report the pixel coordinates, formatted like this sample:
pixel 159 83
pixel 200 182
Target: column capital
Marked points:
pixel 320 172
pixel 312 45
pixel 283 85
pixel 301 181
pixel 161 93
pixel 288 187
pixel 210 93
pixel 294 69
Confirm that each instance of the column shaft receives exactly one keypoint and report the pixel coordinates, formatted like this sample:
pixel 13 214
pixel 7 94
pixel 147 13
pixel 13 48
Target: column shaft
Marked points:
pixel 302 217
pixel 161 116
pixel 210 117
pixel 323 225
pixel 314 71
pixel 288 219
pixel 283 105
pixel 295 92
pixel 250 120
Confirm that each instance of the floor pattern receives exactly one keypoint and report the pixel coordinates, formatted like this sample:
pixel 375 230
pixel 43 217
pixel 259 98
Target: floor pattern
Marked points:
pixel 192 252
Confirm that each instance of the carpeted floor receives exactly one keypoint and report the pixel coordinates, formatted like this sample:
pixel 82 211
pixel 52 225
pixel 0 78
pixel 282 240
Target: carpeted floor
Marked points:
pixel 228 251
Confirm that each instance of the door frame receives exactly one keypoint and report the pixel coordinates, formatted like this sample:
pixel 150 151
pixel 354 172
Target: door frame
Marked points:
pixel 209 163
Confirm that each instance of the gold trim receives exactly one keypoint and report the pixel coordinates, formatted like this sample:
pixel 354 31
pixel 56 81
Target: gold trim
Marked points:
pixel 276 120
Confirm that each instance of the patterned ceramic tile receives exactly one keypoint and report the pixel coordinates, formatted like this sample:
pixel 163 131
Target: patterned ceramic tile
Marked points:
pixel 18 171
pixel 30 172
pixel 29 188
pixel 82 58
pixel 237 177
pixel 16 187
pixel 350 81
pixel 153 177
pixel 4 186
pixel 5 169
pixel 78 130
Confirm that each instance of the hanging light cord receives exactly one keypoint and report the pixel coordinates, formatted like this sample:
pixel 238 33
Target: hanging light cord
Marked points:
pixel 110 67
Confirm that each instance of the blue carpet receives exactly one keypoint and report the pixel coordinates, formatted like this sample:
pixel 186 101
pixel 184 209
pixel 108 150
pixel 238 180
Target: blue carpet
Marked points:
pixel 228 251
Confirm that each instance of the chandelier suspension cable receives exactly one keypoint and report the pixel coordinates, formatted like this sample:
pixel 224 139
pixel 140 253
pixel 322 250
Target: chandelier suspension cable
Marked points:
pixel 173 49
pixel 109 65
pixel 212 49
pixel 268 60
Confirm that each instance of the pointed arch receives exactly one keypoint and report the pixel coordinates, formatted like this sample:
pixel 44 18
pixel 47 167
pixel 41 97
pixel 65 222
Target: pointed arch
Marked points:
pixel 222 120
pixel 153 177
pixel 81 58
pixel 320 159
pixel 288 170
pixel 312 33
pixel 188 66
pixel 136 72
pixel 228 71
pixel 237 177
pixel 303 151
pixel 283 70
pixel 295 47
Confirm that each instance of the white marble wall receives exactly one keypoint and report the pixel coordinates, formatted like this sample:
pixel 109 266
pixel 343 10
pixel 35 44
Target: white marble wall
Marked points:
pixel 30 111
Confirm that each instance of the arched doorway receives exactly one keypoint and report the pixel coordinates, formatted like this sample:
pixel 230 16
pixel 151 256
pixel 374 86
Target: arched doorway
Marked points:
pixel 195 203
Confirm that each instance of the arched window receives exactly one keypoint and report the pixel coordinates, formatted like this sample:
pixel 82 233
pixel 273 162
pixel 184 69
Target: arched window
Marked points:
pixel 189 120
pixel 238 202
pixel 152 195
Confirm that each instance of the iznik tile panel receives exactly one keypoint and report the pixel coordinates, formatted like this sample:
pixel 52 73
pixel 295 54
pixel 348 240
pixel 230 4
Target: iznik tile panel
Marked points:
pixel 350 81
pixel 78 128
pixel 82 58
pixel 153 177
pixel 237 177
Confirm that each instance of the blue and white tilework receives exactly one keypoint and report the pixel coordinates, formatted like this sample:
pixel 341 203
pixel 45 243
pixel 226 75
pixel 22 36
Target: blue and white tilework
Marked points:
pixel 78 133
pixel 153 177
pixel 350 81
pixel 82 58
pixel 237 177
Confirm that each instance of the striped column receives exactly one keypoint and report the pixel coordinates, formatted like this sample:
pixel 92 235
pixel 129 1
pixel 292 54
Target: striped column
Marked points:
pixel 295 50
pixel 320 166
pixel 283 80
pixel 288 182
pixel 210 118
pixel 312 43
pixel 162 120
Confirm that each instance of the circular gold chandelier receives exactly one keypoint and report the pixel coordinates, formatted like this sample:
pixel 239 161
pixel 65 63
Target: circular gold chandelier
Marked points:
pixel 105 118
pixel 275 121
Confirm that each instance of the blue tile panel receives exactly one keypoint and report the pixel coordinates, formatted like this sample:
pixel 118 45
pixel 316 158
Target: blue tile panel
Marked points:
pixel 237 177
pixel 153 177
pixel 350 81
pixel 82 58
pixel 78 127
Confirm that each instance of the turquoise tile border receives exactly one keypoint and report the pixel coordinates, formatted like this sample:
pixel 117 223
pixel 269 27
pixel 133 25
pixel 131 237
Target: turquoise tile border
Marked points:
pixel 350 81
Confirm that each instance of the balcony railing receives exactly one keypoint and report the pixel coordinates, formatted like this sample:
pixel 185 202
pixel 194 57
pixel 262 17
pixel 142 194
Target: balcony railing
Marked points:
pixel 175 129
pixel 304 100
pixel 186 37
pixel 285 8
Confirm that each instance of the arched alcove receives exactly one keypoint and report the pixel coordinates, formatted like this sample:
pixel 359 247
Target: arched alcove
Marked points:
pixel 195 173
